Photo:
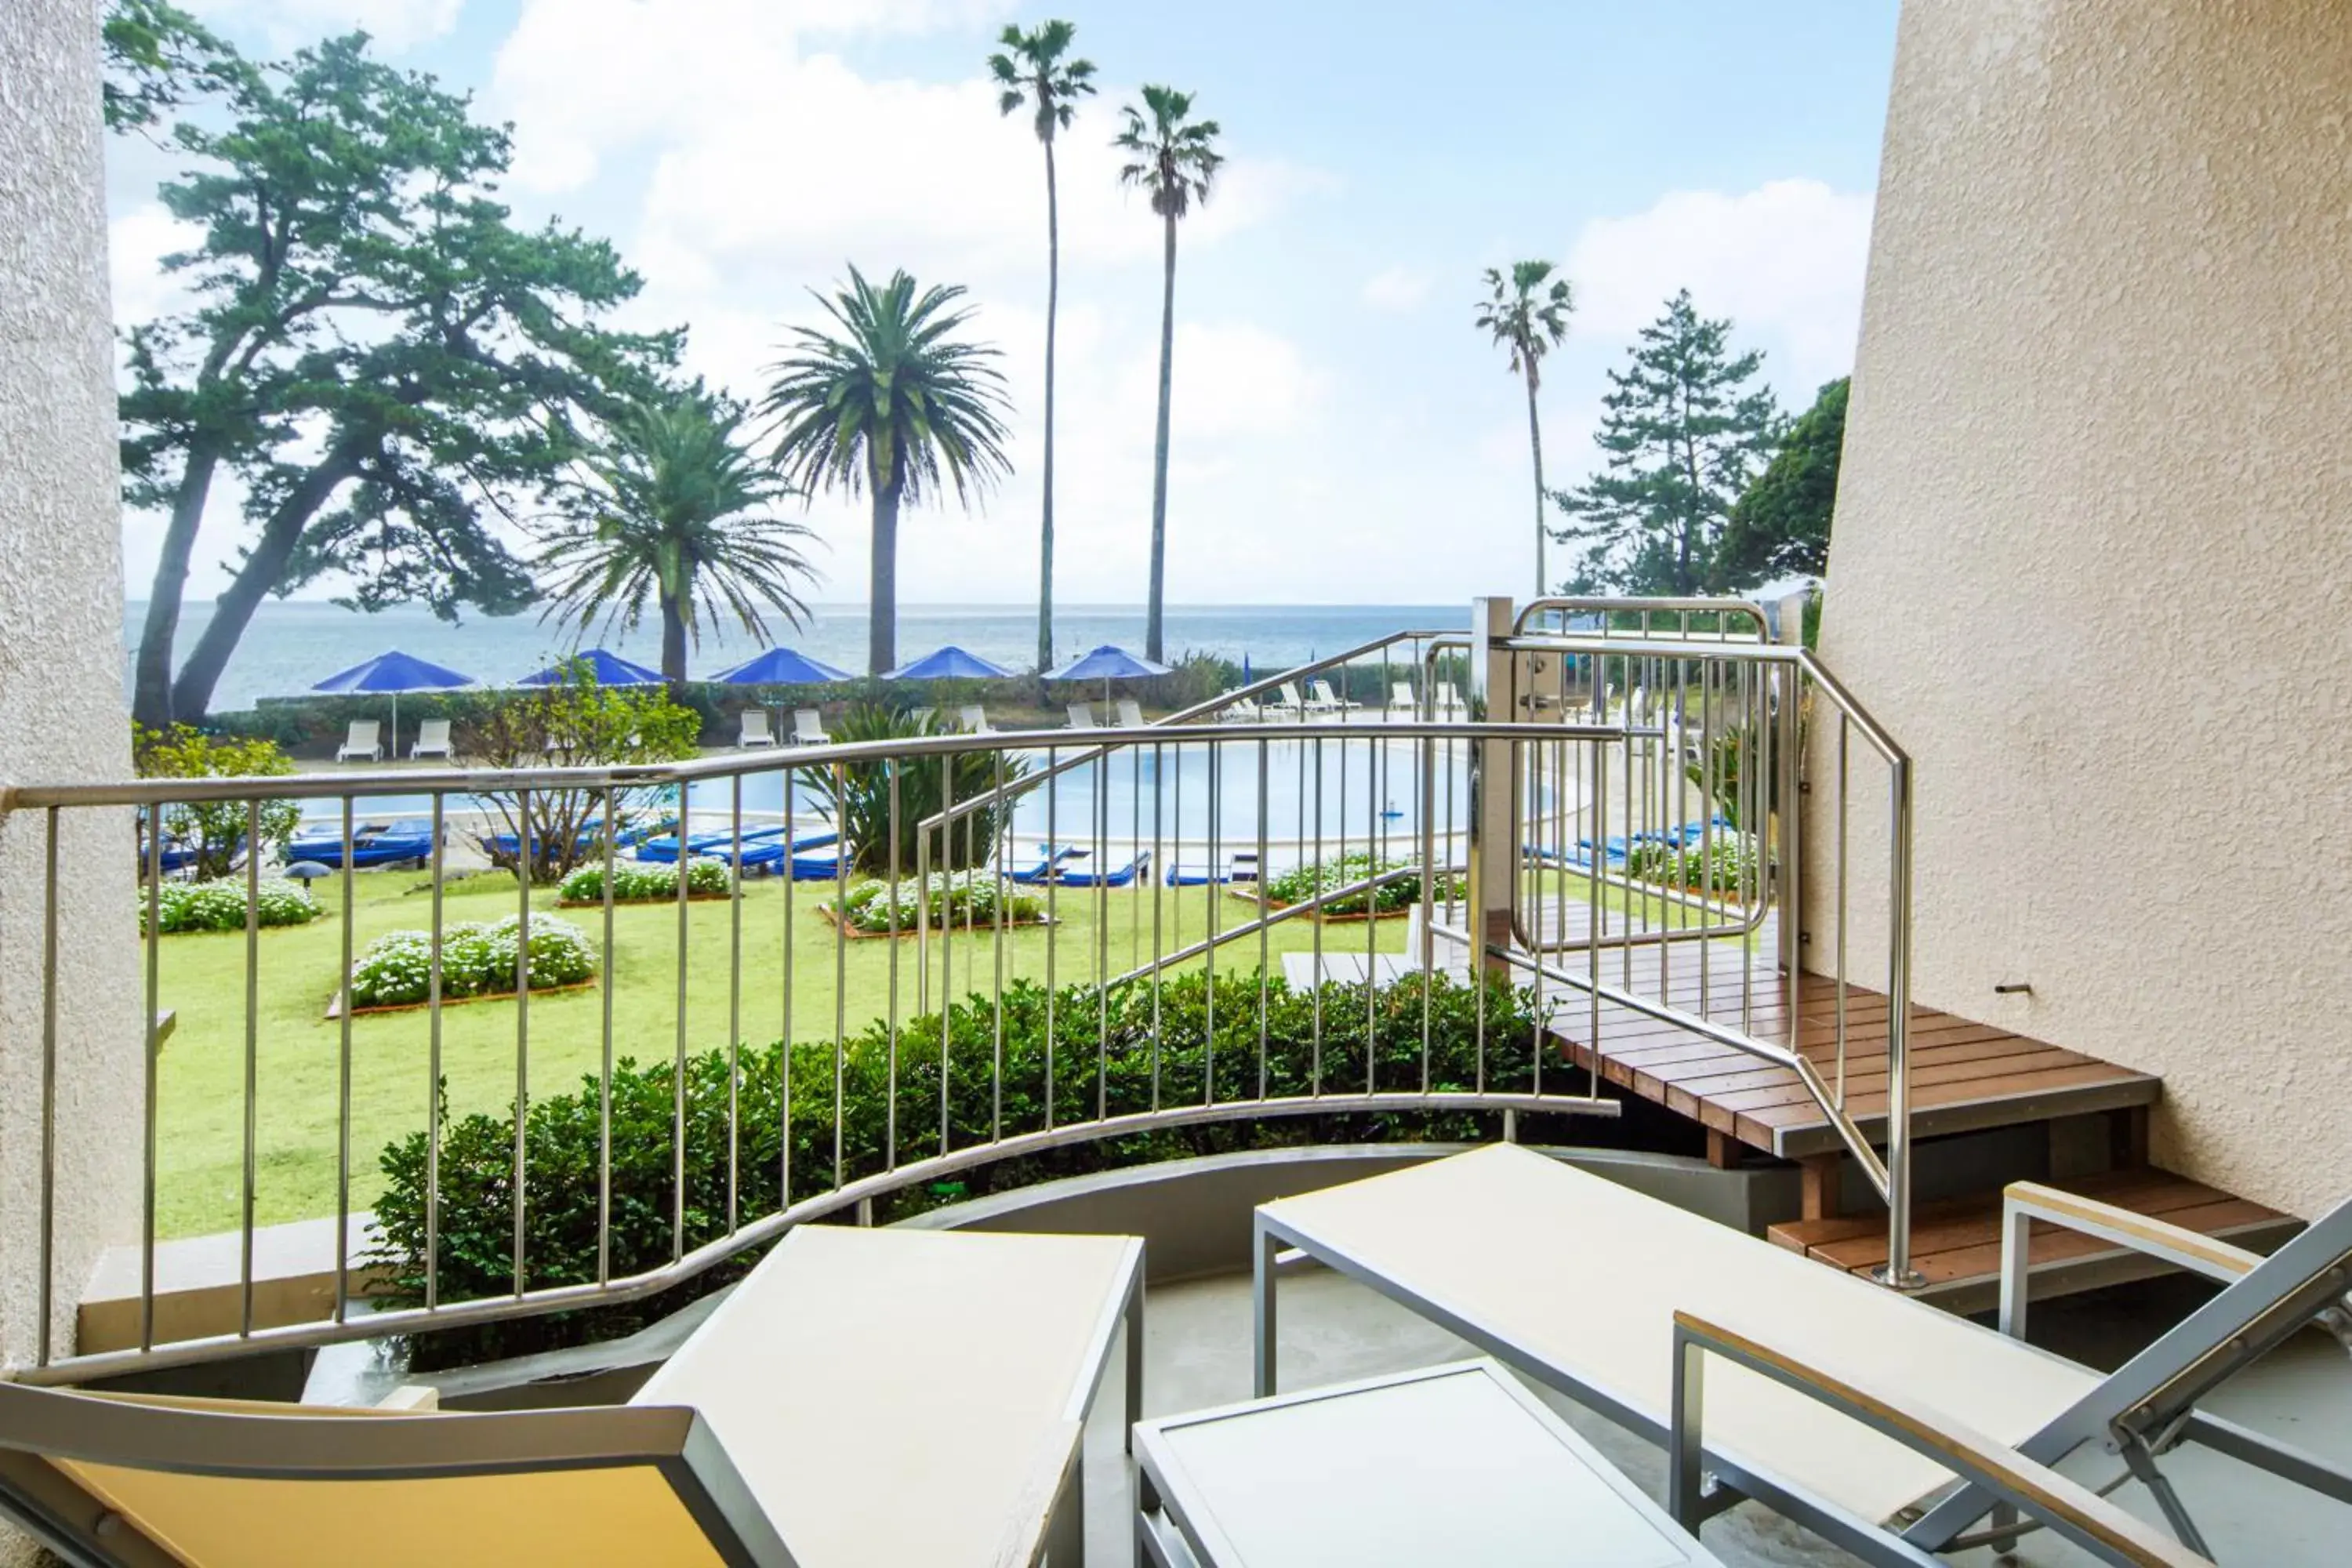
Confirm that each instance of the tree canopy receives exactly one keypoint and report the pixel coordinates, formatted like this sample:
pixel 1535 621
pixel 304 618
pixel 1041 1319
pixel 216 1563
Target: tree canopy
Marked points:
pixel 1781 528
pixel 1681 433
pixel 386 363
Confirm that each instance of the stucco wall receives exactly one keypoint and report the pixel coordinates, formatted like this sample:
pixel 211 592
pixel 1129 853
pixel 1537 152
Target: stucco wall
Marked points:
pixel 61 710
pixel 2092 558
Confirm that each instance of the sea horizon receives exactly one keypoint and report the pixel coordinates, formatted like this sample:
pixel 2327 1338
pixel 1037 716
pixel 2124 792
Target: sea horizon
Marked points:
pixel 293 643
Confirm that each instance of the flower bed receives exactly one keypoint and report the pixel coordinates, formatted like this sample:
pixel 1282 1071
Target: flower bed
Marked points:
pixel 478 958
pixel 1726 864
pixel 1388 901
pixel 220 906
pixel 634 884
pixel 946 900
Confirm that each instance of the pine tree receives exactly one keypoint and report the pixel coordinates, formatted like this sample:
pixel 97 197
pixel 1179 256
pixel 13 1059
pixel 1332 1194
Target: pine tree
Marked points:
pixel 1782 526
pixel 1682 436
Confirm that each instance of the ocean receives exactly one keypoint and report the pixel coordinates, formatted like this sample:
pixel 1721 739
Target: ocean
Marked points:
pixel 293 643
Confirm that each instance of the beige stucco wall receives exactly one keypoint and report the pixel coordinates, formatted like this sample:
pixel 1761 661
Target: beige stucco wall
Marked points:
pixel 2092 558
pixel 61 710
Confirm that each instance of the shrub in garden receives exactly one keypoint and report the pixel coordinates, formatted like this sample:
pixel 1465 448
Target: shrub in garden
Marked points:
pixel 1301 883
pixel 573 722
pixel 478 958
pixel 211 833
pixel 637 884
pixel 952 898
pixel 1162 1040
pixel 1726 864
pixel 860 805
pixel 220 906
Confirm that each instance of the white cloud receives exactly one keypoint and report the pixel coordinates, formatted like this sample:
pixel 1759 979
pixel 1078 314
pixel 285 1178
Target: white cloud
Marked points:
pixel 396 24
pixel 1396 289
pixel 1784 262
pixel 136 244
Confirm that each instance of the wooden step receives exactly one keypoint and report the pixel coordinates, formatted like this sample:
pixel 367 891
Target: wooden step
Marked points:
pixel 1955 1242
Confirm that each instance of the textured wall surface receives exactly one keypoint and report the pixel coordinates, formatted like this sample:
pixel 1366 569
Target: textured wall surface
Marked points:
pixel 2093 561
pixel 61 710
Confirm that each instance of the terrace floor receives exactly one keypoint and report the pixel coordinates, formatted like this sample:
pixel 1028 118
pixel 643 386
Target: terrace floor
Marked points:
pixel 1198 1355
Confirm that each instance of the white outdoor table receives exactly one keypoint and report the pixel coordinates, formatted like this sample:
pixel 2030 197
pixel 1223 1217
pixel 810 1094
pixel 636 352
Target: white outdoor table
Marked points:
pixel 1456 1464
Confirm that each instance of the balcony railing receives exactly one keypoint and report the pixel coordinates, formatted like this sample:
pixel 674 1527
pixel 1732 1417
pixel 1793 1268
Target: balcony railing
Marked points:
pixel 1523 782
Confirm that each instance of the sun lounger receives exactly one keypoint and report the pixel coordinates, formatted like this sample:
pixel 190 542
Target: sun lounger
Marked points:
pixel 363 742
pixel 1449 700
pixel 393 844
pixel 432 741
pixel 753 731
pixel 972 720
pixel 1242 711
pixel 1577 1281
pixel 808 727
pixel 1082 716
pixel 663 851
pixel 1402 702
pixel 1324 699
pixel 1082 876
pixel 1130 714
pixel 812 858
pixel 1048 857
pixel 854 1434
pixel 1243 867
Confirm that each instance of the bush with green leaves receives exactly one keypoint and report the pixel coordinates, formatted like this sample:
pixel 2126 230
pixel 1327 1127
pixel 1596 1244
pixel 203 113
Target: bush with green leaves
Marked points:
pixel 861 804
pixel 221 905
pixel 478 958
pixel 951 898
pixel 211 833
pixel 638 884
pixel 572 722
pixel 1725 864
pixel 1118 1052
pixel 1301 883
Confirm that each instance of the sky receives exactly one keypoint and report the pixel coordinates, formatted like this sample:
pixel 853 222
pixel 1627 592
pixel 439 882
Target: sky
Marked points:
pixel 1342 432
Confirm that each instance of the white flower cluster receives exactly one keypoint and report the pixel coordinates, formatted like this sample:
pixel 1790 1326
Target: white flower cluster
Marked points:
pixel 640 884
pixel 951 896
pixel 478 958
pixel 220 906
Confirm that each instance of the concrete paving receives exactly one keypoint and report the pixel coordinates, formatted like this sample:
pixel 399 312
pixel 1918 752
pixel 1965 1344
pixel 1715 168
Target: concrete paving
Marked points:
pixel 1197 1354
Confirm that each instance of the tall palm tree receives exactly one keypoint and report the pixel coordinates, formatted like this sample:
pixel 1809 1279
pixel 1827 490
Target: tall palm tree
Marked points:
pixel 895 404
pixel 1528 311
pixel 676 518
pixel 1174 157
pixel 1031 73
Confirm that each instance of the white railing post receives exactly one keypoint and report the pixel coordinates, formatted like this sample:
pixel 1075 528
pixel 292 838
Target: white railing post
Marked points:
pixel 1898 1271
pixel 1494 851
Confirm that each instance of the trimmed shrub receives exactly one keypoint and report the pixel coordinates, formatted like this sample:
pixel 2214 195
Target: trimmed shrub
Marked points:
pixel 952 897
pixel 211 834
pixel 478 958
pixel 1155 1050
pixel 220 906
pixel 1726 864
pixel 1301 883
pixel 637 884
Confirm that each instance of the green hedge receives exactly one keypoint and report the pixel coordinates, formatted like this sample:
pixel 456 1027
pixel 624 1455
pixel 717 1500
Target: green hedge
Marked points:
pixel 476 1160
pixel 220 906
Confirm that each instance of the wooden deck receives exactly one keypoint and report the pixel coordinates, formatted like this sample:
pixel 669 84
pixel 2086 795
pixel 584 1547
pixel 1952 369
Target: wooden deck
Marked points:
pixel 1956 1243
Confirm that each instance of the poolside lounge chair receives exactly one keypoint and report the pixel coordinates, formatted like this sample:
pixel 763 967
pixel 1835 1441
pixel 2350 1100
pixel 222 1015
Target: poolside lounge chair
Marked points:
pixel 754 730
pixel 1285 702
pixel 663 851
pixel 1048 859
pixel 373 844
pixel 432 741
pixel 1328 701
pixel 859 1436
pixel 1241 710
pixel 1449 700
pixel 1242 867
pixel 1079 875
pixel 1130 714
pixel 808 727
pixel 972 720
pixel 810 857
pixel 1082 716
pixel 364 742
pixel 1612 1322
pixel 1402 702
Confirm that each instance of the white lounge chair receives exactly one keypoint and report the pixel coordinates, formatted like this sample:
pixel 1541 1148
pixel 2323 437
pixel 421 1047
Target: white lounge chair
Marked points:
pixel 972 720
pixel 1622 1321
pixel 1449 700
pixel 1329 701
pixel 1402 702
pixel 1316 702
pixel 808 727
pixel 363 742
pixel 1130 714
pixel 1241 710
pixel 754 731
pixel 815 1418
pixel 1285 702
pixel 432 741
pixel 1082 716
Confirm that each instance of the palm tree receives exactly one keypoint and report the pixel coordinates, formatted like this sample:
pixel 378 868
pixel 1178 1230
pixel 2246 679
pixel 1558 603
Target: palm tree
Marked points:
pixel 895 404
pixel 1531 318
pixel 1174 158
pixel 1033 74
pixel 676 518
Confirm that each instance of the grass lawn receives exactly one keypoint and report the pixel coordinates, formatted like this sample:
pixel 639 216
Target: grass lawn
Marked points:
pixel 202 980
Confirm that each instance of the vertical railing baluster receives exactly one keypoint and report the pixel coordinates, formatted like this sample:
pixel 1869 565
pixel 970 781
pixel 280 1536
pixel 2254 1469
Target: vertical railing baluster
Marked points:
pixel 891 1103
pixel 1053 916
pixel 526 852
pixel 1264 932
pixel 1843 728
pixel 604 1059
pixel 677 1045
pixel 841 848
pixel 1001 813
pixel 432 1055
pixel 50 941
pixel 151 1074
pixel 791 873
pixel 252 1060
pixel 734 1004
pixel 343 1093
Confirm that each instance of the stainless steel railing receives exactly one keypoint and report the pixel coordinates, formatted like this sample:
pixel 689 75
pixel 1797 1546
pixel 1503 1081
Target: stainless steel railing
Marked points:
pixel 1157 855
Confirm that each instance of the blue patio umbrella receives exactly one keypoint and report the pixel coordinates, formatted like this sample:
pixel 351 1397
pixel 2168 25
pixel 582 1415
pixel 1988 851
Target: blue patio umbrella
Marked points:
pixel 392 673
pixel 605 667
pixel 779 666
pixel 1107 664
pixel 950 663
